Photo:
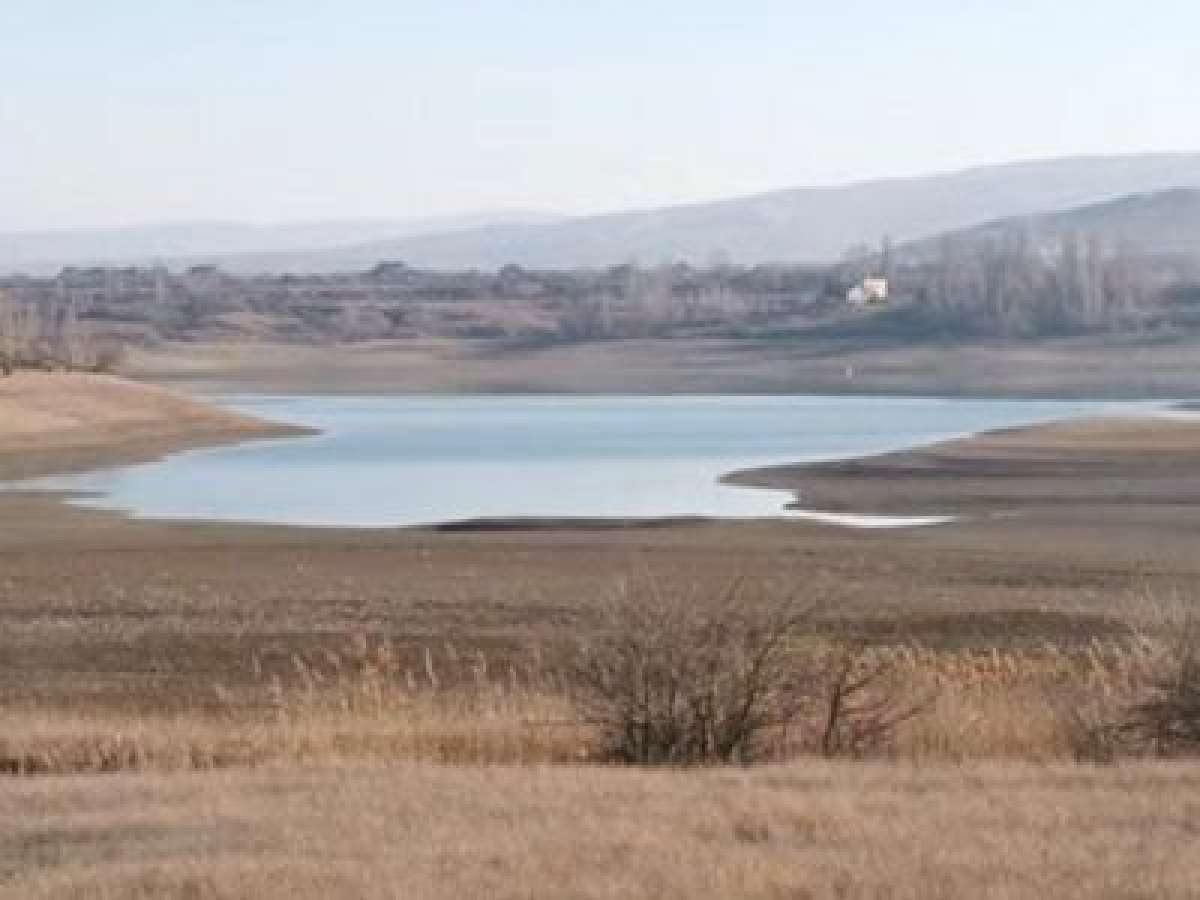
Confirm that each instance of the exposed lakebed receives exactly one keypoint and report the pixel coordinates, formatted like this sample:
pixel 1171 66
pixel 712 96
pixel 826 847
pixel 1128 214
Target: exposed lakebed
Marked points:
pixel 410 461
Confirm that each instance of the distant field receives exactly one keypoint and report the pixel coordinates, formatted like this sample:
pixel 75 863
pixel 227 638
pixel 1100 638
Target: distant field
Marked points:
pixel 1091 367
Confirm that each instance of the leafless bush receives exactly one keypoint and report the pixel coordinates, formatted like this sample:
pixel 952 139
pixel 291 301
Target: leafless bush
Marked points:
pixel 1168 719
pixel 107 359
pixel 734 678
pixel 864 701
pixel 683 680
pixel 1091 733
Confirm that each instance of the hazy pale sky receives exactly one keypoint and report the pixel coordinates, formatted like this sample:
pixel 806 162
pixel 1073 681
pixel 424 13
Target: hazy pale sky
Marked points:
pixel 117 111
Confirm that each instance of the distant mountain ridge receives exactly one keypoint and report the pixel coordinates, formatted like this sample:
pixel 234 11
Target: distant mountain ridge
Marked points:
pixel 168 241
pixel 797 225
pixel 1165 223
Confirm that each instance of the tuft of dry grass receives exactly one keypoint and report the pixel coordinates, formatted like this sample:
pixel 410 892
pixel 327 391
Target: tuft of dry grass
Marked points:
pixel 451 729
pixel 366 703
pixel 1036 705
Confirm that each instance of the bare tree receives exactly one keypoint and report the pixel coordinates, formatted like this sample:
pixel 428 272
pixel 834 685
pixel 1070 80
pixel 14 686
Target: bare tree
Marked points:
pixel 8 334
pixel 1009 284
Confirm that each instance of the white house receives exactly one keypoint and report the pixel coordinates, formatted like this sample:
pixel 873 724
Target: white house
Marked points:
pixel 868 292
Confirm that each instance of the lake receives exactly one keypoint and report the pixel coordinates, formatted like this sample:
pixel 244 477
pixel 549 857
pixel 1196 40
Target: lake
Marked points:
pixel 405 461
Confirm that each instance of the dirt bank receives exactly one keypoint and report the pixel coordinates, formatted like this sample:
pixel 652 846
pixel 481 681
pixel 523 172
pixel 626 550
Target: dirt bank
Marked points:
pixel 1080 367
pixel 1110 463
pixel 58 422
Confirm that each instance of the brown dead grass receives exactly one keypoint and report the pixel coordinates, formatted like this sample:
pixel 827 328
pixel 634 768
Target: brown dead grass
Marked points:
pixel 430 730
pixel 368 706
pixel 796 831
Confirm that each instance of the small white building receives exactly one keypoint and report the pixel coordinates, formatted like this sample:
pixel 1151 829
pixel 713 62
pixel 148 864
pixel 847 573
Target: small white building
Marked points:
pixel 868 292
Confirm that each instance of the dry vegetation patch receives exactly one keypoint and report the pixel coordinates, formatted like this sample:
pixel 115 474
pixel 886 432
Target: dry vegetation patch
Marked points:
pixel 376 703
pixel 804 830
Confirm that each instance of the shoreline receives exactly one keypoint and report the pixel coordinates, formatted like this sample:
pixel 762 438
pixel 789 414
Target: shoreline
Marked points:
pixel 1092 368
pixel 1089 462
pixel 1004 471
pixel 62 424
pixel 92 456
pixel 895 491
pixel 216 387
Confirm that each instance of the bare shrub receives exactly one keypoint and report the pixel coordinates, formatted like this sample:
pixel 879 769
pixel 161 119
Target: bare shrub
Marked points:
pixel 684 680
pixel 730 678
pixel 1168 718
pixel 107 359
pixel 864 701
pixel 377 701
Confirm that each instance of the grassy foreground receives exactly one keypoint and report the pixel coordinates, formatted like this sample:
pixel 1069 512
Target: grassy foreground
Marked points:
pixel 362 777
pixel 419 831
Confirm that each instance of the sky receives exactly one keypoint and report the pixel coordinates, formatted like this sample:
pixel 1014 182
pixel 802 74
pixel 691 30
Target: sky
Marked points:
pixel 127 111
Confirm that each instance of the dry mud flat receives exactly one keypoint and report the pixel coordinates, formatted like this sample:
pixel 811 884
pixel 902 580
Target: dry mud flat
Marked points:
pixel 1080 367
pixel 1142 461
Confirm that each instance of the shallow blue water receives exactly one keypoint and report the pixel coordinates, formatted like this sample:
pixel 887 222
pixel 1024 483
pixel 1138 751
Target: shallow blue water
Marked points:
pixel 402 461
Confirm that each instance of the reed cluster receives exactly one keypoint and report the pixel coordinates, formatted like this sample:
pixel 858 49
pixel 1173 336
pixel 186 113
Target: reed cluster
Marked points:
pixel 372 702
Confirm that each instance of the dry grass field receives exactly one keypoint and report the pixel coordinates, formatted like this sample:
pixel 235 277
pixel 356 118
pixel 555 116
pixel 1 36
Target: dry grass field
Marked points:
pixel 372 704
pixel 363 778
pixel 417 831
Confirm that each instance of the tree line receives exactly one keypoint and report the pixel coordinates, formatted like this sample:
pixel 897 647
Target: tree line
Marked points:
pixel 49 337
pixel 1010 285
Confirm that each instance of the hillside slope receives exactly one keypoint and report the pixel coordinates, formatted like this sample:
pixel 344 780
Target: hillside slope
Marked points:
pixel 800 225
pixel 1159 223
pixel 45 252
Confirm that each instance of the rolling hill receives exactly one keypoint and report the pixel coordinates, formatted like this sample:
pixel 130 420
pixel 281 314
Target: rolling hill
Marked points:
pixel 802 225
pixel 1164 223
pixel 146 244
pixel 815 224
